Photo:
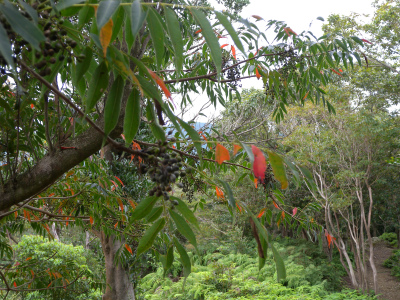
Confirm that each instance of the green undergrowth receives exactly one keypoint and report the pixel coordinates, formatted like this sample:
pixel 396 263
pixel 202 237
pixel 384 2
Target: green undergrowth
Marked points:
pixel 222 275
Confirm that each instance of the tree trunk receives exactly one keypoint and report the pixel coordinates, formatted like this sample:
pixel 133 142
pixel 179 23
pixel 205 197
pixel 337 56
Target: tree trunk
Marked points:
pixel 118 286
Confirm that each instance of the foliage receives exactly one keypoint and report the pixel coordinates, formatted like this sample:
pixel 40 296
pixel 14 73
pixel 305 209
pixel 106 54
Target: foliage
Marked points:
pixel 389 237
pixel 53 267
pixel 393 262
pixel 224 275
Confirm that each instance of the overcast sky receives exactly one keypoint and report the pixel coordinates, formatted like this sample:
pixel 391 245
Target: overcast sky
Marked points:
pixel 298 14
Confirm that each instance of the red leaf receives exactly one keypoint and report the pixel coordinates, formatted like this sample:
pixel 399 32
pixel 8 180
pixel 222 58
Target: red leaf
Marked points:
pixel 161 84
pixel 236 148
pixel 288 30
pixel 119 180
pixel 128 248
pixel 294 211
pixel 91 220
pixel 257 17
pixel 221 154
pixel 15 284
pixel 198 31
pixel 259 164
pixel 366 41
pixel 340 70
pixel 233 52
pixel 32 106
pixel 258 74
pixel 262 212
pixel 224 45
pixel 256 182
pixel 334 71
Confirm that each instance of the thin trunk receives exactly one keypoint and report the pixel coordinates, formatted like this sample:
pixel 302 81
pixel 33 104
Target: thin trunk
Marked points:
pixel 371 246
pixel 54 231
pixel 118 285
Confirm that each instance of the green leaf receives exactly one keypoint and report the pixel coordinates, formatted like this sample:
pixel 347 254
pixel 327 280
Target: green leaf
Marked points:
pixel 358 58
pixel 280 265
pixel 5 47
pixel 97 86
pixel 28 30
pixel 32 12
pixel 83 66
pixel 157 35
pixel 228 190
pixel 144 208
pixel 210 38
pixel 249 152
pixel 149 236
pixel 186 212
pixel 113 104
pixel 183 227
pixel 194 136
pixel 260 228
pixel 174 32
pixel 132 116
pixel 119 19
pixel 105 11
pixel 170 259
pixel 156 129
pixel 315 72
pixel 187 267
pixel 63 4
pixel 232 32
pixel 137 18
pixel 154 214
pixel 278 168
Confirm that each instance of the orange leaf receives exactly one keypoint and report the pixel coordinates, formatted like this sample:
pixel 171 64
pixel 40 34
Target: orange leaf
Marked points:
pixel 219 192
pixel 91 220
pixel 33 274
pixel 262 212
pixel 288 30
pixel 128 248
pixel 121 206
pixel 240 209
pixel 49 284
pixel 276 205
pixel 15 284
pixel 306 95
pixel 16 214
pixel 221 154
pixel 366 41
pixel 132 204
pixel 257 17
pixel 105 36
pixel 259 164
pixel 233 52
pixel 224 45
pixel 294 211
pixel 236 148
pixel 334 71
pixel 283 215
pixel 256 182
pixel 114 183
pixel 29 258
pixel 198 31
pixel 160 83
pixel 258 74
pixel 204 137
pixel 119 180
pixel 116 224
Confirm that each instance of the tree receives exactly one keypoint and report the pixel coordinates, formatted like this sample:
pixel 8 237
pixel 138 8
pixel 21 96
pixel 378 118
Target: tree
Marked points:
pixel 83 74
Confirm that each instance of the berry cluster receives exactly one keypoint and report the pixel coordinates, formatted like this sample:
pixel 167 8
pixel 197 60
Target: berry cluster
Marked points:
pixel 57 45
pixel 163 169
pixel 268 179
pixel 289 61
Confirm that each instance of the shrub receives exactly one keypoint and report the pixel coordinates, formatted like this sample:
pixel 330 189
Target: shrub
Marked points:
pixel 389 237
